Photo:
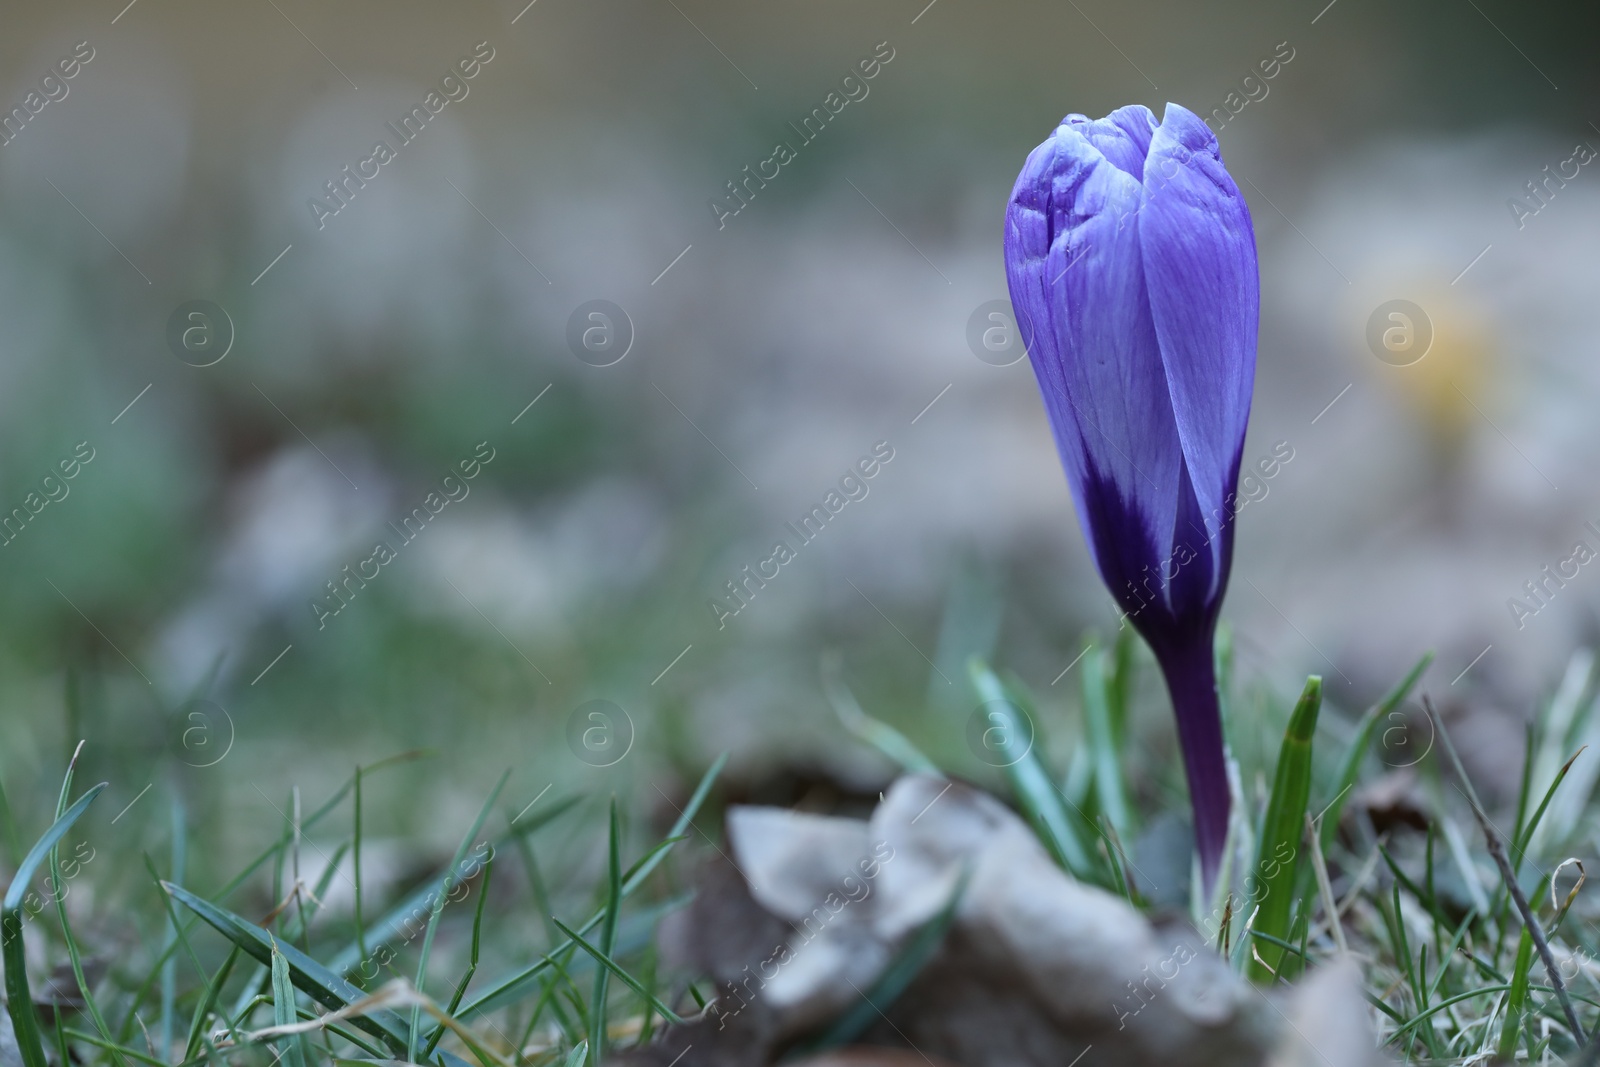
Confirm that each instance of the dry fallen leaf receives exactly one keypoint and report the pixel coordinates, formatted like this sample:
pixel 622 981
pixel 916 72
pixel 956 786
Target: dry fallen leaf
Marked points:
pixel 1035 967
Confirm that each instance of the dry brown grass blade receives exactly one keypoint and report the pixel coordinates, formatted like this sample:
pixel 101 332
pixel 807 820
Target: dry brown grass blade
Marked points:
pixel 1319 865
pixel 396 994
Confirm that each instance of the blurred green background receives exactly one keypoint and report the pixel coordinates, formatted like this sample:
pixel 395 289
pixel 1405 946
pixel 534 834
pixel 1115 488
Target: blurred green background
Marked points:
pixel 769 356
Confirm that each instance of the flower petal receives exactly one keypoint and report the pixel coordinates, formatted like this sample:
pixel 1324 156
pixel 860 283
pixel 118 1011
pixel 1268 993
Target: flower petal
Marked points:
pixel 1200 264
pixel 1077 278
pixel 1194 587
pixel 1123 136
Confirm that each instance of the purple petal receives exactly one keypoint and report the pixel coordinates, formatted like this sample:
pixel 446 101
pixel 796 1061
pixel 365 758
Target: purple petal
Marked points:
pixel 1200 264
pixel 1194 584
pixel 1077 276
pixel 1123 136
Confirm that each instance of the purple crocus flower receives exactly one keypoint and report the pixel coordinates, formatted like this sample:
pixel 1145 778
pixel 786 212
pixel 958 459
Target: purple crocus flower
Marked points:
pixel 1132 267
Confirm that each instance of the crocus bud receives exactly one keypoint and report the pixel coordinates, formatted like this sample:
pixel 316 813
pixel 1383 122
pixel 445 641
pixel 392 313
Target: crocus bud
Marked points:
pixel 1132 267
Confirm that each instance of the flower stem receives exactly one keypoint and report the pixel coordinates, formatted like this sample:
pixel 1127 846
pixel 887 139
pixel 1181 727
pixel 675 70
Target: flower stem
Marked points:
pixel 1191 675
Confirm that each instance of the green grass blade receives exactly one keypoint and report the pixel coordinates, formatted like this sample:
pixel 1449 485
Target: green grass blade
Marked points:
pixel 8 828
pixel 1111 791
pixel 1118 863
pixel 438 908
pixel 1120 683
pixel 1079 779
pixel 1402 689
pixel 1449 953
pixel 537 889
pixel 578 1030
pixel 355 860
pixel 41 849
pixel 893 744
pixel 1520 845
pixel 648 981
pixel 608 941
pixel 283 1013
pixel 518 837
pixel 1406 882
pixel 73 955
pixel 306 974
pixel 310 821
pixel 111 1046
pixel 685 819
pixel 649 857
pixel 1530 751
pixel 607 963
pixel 1019 745
pixel 63 1054
pixel 515 985
pixel 1407 1025
pixel 1394 925
pixel 178 932
pixel 208 1003
pixel 325 879
pixel 576 1057
pixel 169 967
pixel 19 998
pixel 1350 768
pixel 1516 1000
pixel 1285 946
pixel 1277 857
pixel 472 961
pixel 394 922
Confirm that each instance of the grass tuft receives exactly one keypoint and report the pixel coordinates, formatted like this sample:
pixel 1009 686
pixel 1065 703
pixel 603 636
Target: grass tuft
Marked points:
pixel 280 963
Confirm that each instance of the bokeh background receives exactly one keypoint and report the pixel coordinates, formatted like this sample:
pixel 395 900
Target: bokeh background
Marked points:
pixel 373 350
